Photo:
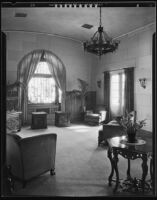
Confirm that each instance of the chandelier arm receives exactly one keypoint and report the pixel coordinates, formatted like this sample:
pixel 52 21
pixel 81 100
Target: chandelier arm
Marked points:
pixel 106 36
pixel 94 35
pixel 100 43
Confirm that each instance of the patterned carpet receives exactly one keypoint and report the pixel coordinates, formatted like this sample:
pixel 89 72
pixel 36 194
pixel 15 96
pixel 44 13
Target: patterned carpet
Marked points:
pixel 82 168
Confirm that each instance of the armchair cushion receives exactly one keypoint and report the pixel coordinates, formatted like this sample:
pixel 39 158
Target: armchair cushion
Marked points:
pixel 31 156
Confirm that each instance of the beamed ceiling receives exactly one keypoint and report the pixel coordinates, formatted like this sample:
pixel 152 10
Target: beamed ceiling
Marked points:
pixel 68 22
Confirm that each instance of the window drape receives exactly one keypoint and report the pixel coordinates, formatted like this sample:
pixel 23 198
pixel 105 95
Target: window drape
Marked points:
pixel 107 94
pixel 58 71
pixel 26 69
pixel 129 89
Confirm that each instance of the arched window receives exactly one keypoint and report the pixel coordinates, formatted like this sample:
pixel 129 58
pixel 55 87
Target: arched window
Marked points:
pixel 43 75
pixel 42 87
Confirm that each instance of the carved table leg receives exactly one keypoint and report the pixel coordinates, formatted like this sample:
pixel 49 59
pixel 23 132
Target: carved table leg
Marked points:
pixel 151 170
pixel 145 170
pixel 52 172
pixel 128 170
pixel 10 180
pixel 115 161
pixel 112 169
pixel 99 142
pixel 100 137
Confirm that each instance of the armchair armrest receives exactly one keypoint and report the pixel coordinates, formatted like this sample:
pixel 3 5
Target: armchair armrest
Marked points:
pixel 109 130
pixel 103 114
pixel 31 156
pixel 13 154
pixel 38 153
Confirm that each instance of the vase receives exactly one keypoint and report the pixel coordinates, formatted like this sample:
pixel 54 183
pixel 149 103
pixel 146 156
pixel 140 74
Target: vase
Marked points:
pixel 131 135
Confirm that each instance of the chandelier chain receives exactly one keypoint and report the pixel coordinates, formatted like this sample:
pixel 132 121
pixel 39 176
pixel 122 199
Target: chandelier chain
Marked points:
pixel 100 15
pixel 100 43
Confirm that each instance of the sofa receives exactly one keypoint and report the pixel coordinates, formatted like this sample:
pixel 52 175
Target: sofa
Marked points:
pixel 111 129
pixel 30 156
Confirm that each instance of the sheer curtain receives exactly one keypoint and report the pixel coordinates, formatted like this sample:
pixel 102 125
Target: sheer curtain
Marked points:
pixel 26 69
pixel 117 81
pixel 124 99
pixel 107 94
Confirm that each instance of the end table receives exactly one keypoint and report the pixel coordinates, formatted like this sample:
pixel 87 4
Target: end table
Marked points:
pixel 39 120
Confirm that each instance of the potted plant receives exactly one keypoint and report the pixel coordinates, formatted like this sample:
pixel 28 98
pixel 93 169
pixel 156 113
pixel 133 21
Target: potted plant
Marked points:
pixel 83 86
pixel 130 125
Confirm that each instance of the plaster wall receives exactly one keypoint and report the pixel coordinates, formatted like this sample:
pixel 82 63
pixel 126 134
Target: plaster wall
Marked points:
pixel 134 50
pixel 77 63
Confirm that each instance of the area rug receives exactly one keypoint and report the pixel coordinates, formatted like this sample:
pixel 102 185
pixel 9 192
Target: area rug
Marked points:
pixel 82 167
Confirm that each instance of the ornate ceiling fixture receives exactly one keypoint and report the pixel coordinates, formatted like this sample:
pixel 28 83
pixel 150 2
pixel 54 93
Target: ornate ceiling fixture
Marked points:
pixel 100 43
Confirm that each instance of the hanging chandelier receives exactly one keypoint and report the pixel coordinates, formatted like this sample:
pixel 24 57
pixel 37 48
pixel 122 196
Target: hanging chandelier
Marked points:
pixel 100 43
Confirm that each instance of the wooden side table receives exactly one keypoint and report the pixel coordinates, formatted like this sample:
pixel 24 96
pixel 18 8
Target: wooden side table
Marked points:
pixel 119 146
pixel 62 119
pixel 39 120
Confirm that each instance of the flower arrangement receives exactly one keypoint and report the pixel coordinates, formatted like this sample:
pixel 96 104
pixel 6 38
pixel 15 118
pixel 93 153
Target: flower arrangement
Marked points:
pixel 129 122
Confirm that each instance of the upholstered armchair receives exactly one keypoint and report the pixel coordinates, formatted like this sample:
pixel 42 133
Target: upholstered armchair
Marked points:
pixel 111 129
pixel 95 117
pixel 31 156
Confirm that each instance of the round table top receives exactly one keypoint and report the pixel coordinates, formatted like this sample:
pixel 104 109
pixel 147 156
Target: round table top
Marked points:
pixel 143 144
pixel 138 141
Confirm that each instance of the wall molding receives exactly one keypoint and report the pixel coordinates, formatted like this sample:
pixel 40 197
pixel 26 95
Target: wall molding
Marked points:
pixel 143 28
pixel 42 33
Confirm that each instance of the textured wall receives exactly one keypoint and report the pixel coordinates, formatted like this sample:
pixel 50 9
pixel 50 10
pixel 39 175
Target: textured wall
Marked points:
pixel 134 51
